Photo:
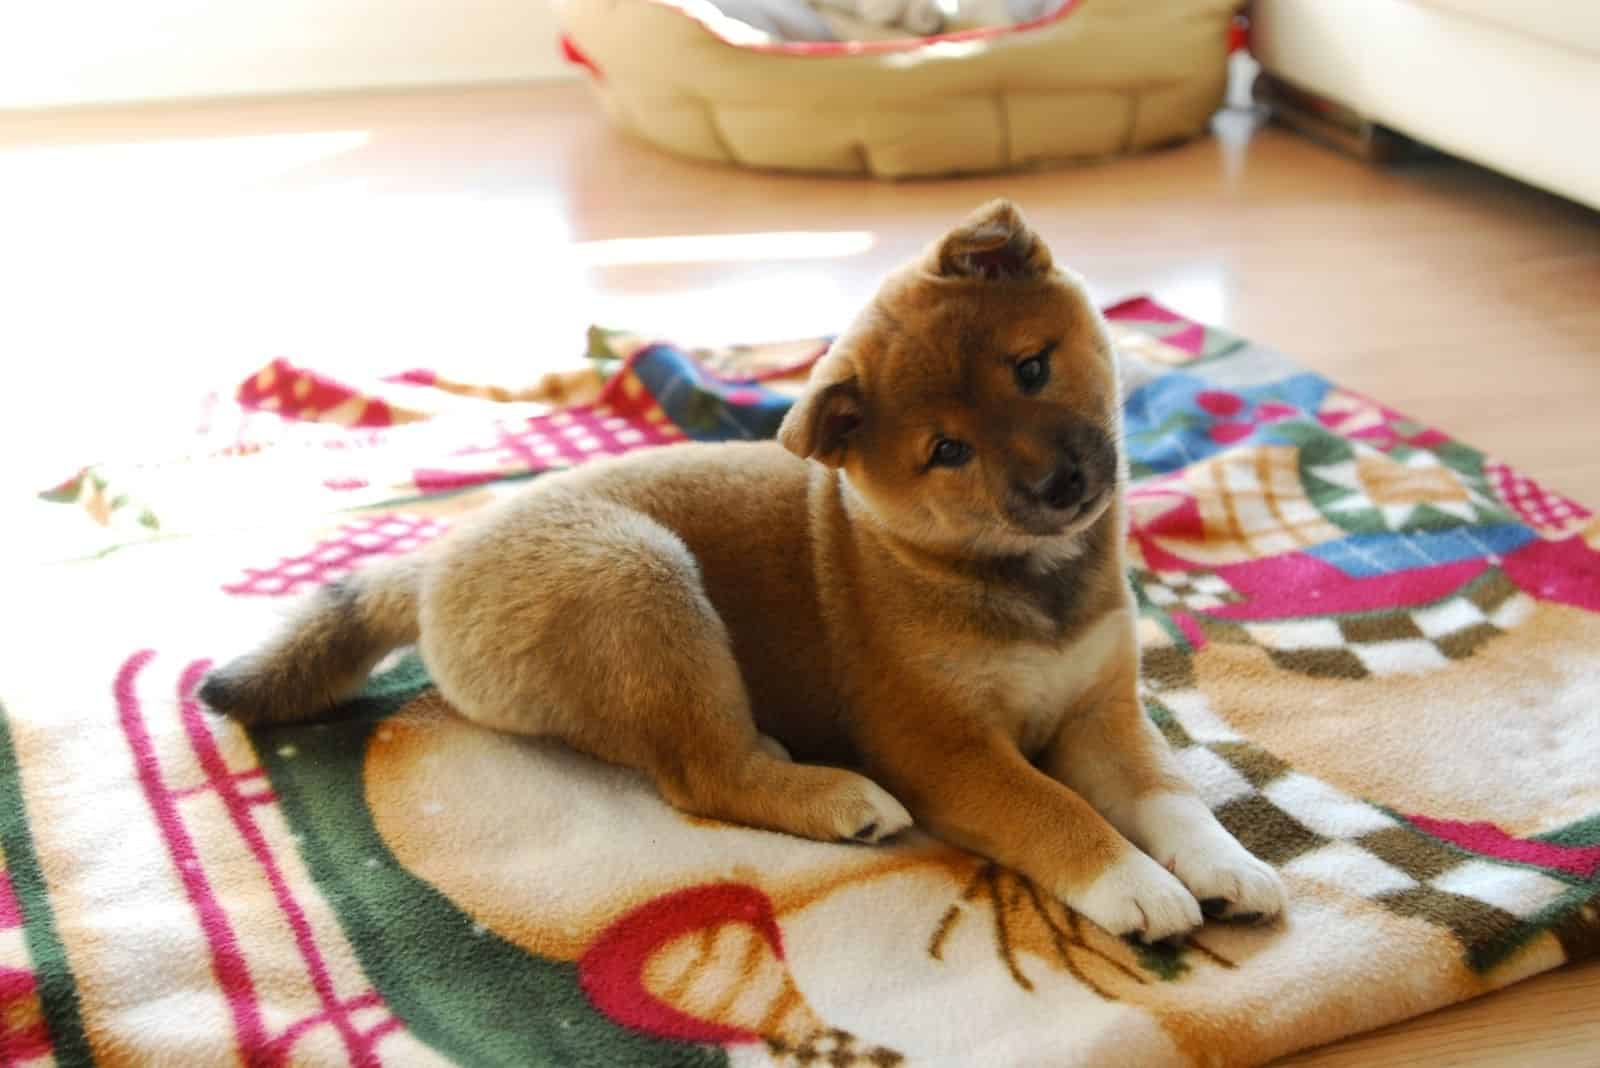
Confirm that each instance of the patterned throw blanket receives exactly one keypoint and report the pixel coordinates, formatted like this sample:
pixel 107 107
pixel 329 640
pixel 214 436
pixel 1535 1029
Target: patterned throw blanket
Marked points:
pixel 1376 650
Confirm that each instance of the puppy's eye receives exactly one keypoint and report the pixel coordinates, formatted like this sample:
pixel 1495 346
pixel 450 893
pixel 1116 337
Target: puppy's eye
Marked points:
pixel 1034 372
pixel 948 452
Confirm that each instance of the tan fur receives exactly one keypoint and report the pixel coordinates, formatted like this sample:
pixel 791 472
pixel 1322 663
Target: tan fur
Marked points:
pixel 936 627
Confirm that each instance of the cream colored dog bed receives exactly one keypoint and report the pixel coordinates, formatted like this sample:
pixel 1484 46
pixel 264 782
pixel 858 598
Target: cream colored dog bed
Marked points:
pixel 1094 78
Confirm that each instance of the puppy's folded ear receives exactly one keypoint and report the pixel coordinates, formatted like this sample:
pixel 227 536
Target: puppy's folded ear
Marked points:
pixel 821 422
pixel 995 242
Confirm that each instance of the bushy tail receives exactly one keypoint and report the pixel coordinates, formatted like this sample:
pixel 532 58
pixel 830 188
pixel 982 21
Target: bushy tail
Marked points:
pixel 325 651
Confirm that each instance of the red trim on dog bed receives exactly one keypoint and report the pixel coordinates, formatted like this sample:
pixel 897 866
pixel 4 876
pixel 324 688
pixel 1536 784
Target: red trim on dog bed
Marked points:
pixel 576 56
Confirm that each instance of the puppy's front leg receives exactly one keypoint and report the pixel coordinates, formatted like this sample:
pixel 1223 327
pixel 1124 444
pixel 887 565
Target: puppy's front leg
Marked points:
pixel 1109 752
pixel 972 787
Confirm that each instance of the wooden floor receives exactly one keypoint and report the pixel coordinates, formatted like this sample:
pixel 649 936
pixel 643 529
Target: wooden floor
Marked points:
pixel 150 252
pixel 476 228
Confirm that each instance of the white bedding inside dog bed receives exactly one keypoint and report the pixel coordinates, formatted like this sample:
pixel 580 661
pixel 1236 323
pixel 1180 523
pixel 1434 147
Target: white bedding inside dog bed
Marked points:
pixel 867 20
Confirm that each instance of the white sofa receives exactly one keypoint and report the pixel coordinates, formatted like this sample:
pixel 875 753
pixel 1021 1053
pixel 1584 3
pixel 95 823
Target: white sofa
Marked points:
pixel 1511 84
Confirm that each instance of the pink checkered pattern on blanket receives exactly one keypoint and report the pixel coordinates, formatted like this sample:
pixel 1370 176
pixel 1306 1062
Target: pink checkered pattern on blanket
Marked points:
pixel 1551 514
pixel 357 1019
pixel 389 534
pixel 570 437
pixel 559 439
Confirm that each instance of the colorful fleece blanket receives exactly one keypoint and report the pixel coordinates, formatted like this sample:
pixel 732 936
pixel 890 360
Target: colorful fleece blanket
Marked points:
pixel 1376 650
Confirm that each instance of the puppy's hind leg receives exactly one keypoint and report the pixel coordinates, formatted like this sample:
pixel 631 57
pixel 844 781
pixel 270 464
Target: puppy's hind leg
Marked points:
pixel 721 769
pixel 689 728
pixel 610 643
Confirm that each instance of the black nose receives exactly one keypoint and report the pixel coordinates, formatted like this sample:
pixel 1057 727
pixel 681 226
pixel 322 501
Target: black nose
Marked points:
pixel 1064 488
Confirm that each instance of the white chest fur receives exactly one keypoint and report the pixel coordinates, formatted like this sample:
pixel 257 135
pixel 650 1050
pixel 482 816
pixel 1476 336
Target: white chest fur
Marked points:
pixel 1025 688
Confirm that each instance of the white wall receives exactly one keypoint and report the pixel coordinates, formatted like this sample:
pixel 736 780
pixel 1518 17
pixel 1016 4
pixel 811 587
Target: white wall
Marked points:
pixel 65 52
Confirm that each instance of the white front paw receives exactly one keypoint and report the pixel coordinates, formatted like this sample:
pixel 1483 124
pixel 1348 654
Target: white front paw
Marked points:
pixel 1228 880
pixel 1137 896
pixel 1230 883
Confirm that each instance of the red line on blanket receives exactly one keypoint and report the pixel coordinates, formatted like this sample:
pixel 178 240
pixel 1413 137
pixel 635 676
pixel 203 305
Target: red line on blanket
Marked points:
pixel 370 1040
pixel 227 962
pixel 221 777
pixel 240 776
pixel 1485 838
pixel 281 1046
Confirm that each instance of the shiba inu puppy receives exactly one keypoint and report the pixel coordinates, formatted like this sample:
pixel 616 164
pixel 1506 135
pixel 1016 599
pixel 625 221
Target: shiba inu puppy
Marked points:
pixel 922 578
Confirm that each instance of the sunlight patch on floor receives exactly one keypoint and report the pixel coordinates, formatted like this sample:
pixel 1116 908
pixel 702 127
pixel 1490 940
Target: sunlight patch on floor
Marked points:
pixel 165 166
pixel 725 248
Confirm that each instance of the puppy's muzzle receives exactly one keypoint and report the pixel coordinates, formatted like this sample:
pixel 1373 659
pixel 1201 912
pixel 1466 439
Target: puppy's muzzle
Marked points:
pixel 1063 488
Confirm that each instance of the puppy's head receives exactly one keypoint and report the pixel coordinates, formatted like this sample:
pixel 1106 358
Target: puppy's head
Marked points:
pixel 973 405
